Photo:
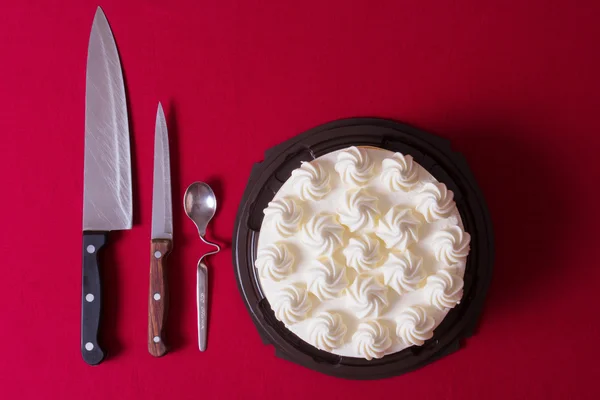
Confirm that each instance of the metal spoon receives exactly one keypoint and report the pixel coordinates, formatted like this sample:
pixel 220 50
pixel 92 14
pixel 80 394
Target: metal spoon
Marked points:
pixel 200 205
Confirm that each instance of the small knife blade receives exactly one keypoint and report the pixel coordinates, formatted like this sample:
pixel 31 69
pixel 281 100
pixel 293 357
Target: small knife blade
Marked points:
pixel 107 198
pixel 161 238
pixel 162 208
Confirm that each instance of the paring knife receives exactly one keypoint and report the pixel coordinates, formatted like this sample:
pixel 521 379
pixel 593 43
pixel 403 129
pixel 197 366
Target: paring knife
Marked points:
pixel 107 201
pixel 162 238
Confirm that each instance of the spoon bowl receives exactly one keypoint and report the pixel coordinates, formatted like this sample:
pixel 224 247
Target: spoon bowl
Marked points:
pixel 200 204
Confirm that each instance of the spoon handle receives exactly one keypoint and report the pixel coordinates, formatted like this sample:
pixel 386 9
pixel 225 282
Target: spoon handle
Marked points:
pixel 201 303
pixel 158 296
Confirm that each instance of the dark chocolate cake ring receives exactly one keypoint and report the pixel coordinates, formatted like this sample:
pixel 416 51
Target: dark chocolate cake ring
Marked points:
pixel 432 153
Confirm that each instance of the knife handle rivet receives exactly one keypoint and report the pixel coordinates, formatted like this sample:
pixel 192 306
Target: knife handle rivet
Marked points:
pixel 156 296
pixel 89 297
pixel 91 249
pixel 89 346
pixel 156 339
pixel 157 254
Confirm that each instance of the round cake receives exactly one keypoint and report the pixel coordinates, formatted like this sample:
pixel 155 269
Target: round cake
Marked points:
pixel 362 253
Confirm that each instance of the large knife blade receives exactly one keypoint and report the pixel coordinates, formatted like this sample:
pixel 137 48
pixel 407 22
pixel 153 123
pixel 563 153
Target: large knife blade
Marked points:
pixel 107 199
pixel 162 236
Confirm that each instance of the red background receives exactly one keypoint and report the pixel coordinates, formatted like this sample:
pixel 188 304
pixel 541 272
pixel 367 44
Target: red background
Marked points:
pixel 514 85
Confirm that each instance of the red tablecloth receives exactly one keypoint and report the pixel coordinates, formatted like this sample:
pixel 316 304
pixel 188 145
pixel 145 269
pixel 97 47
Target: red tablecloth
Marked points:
pixel 514 85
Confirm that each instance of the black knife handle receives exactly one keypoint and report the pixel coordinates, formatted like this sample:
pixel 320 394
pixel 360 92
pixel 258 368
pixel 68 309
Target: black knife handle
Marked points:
pixel 91 297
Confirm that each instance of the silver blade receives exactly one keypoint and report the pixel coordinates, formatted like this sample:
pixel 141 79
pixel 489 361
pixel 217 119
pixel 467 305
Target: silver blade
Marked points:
pixel 107 203
pixel 162 209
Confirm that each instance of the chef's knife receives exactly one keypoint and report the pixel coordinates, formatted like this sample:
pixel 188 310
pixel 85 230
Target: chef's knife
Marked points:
pixel 162 236
pixel 107 203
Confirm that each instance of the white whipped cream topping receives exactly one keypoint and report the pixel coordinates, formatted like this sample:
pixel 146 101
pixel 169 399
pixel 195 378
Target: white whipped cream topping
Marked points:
pixel 451 246
pixel 291 304
pixel 311 181
pixel 286 215
pixel 403 272
pixel 373 247
pixel 444 289
pixel 275 261
pixel 354 166
pixel 399 228
pixel 327 331
pixel 371 340
pixel 414 326
pixel 367 297
pixel 363 253
pixel 399 172
pixel 359 210
pixel 435 201
pixel 324 232
pixel 326 279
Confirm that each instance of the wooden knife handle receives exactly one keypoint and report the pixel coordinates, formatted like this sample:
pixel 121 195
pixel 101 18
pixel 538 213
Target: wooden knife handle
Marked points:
pixel 158 296
pixel 91 297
